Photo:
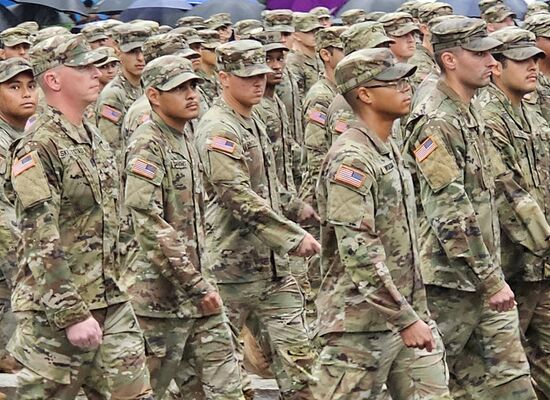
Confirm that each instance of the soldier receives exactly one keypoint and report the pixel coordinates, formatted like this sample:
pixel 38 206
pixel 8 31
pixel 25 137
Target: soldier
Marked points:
pixel 49 32
pixel 76 327
pixel 458 221
pixel 323 14
pixel 353 16
pixel 208 71
pixel 15 42
pixel 522 186
pixel 191 21
pixel 410 7
pixel 179 311
pixel 95 35
pixel 536 7
pixel 280 21
pixel 221 23
pixel 484 5
pixel 109 67
pixel 125 88
pixel 194 41
pixel 400 27
pixel 250 237
pixel 31 26
pixel 498 17
pixel 247 27
pixel 373 310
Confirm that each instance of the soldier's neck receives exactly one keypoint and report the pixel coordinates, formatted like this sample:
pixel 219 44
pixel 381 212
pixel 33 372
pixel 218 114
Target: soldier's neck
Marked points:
pixel 380 124
pixel 428 45
pixel 208 69
pixel 241 109
pixel 511 95
pixel 133 79
pixel 269 91
pixel 17 123
pixel 300 48
pixel 73 112
pixel 464 92
pixel 329 74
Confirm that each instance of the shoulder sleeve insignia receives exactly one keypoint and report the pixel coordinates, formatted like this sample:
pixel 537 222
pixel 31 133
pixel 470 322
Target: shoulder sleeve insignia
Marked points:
pixel 22 164
pixel 223 144
pixel 425 149
pixel 145 118
pixel 110 113
pixel 144 168
pixel 350 176
pixel 31 121
pixel 318 116
pixel 340 126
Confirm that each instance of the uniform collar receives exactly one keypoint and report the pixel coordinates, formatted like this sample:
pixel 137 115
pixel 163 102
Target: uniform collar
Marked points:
pixel 381 146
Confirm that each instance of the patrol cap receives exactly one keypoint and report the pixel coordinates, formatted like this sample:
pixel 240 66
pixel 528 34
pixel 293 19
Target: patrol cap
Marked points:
pixel 365 65
pixel 165 29
pixel 13 36
pixel 168 72
pixel 467 33
pixel 243 58
pixel 539 24
pixel 279 20
pixel 109 52
pixel 69 50
pixel 517 44
pixel 49 32
pixel 374 16
pixel 109 24
pixel 410 7
pixel 353 16
pixel 436 20
pixel 31 26
pixel 94 32
pixel 130 36
pixel 270 40
pixel 211 39
pixel 247 27
pixel 537 6
pixel 484 5
pixel 13 67
pixel 165 44
pixel 192 21
pixel 305 22
pixel 427 11
pixel 320 12
pixel 498 13
pixel 218 20
pixel 329 37
pixel 398 24
pixel 151 26
pixel 364 35
pixel 190 35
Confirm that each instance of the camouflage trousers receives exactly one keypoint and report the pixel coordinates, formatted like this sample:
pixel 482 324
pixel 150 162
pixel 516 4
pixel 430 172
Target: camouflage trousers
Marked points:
pixel 377 365
pixel 276 310
pixel 485 356
pixel 7 320
pixel 54 369
pixel 184 349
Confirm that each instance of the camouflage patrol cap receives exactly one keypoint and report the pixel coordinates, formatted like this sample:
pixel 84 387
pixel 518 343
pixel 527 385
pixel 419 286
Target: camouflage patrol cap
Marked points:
pixel 329 37
pixel 374 16
pixel 410 7
pixel 270 40
pixel 13 67
pixel 247 27
pixel 467 33
pixel 165 44
pixel 109 52
pixel 517 44
pixel 364 35
pixel 69 50
pixel 168 72
pixel 398 24
pixel 306 22
pixel 498 13
pixel 211 39
pixel 353 16
pixel 437 20
pixel 539 24
pixel 320 12
pixel 537 6
pixel 109 24
pixel 94 32
pixel 191 21
pixel 190 35
pixel 31 26
pixel 49 32
pixel 279 20
pixel 366 65
pixel 218 20
pixel 13 36
pixel 243 58
pixel 484 5
pixel 152 26
pixel 427 11
pixel 130 36
pixel 165 29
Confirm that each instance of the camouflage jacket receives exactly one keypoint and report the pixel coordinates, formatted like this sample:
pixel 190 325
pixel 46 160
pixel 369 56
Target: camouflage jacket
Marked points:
pixel 210 86
pixel 306 70
pixel 164 194
pixel 521 168
pixel 458 224
pixel 65 184
pixel 369 257
pixel 288 92
pixel 340 117
pixel 425 64
pixel 248 237
pixel 539 100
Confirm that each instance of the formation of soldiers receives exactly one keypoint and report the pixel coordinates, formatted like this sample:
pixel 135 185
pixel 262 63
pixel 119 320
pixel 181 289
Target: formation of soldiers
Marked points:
pixel 369 202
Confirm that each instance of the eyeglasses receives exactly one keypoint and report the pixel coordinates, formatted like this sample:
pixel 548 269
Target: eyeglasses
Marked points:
pixel 402 85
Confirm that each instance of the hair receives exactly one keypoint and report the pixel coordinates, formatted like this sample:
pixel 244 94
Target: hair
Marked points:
pixel 352 99
pixel 439 61
pixel 330 49
pixel 501 58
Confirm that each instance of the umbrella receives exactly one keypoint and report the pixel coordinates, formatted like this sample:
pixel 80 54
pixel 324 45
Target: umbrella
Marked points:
pixel 7 18
pixel 242 9
pixel 304 5
pixel 44 16
pixel 70 6
pixel 112 6
pixel 165 12
pixel 470 7
pixel 371 5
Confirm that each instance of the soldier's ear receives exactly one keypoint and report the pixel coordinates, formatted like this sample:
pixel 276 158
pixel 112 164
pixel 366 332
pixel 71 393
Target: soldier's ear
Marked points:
pixel 364 95
pixel 448 59
pixel 152 95
pixel 2 54
pixel 224 78
pixel 52 80
pixel 497 69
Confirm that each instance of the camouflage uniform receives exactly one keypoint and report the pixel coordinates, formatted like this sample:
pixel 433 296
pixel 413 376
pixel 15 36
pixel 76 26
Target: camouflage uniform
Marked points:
pixel 210 85
pixel 13 36
pixel 94 32
pixel 353 16
pixel 246 27
pixel 459 232
pixel 163 268
pixel 65 184
pixel 425 63
pixel 372 287
pixel 249 238
pixel 485 4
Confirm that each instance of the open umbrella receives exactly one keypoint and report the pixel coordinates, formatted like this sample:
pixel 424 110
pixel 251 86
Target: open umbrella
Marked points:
pixel 112 6
pixel 470 7
pixel 7 18
pixel 243 9
pixel 371 5
pixel 165 12
pixel 71 6
pixel 304 5
pixel 44 16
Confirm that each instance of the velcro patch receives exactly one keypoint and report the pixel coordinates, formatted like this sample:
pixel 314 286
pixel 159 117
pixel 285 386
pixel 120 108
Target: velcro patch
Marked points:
pixel 145 118
pixel 144 168
pixel 350 176
pixel 223 144
pixel 425 149
pixel 112 114
pixel 21 165
pixel 340 126
pixel 318 116
pixel 31 121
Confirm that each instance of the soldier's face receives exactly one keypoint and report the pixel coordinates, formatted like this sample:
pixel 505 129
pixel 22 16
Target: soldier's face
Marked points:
pixel 247 91
pixel 404 46
pixel 307 39
pixel 132 61
pixel 325 21
pixel 496 26
pixel 225 33
pixel 208 56
pixel 19 96
pixel 474 69
pixel 20 50
pixel 98 43
pixel 392 101
pixel 108 72
pixel 275 60
pixel 87 89
pixel 518 77
pixel 180 103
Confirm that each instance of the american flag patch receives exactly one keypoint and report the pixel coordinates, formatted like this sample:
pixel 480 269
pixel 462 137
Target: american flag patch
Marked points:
pixel 318 116
pixel 144 169
pixel 340 126
pixel 23 164
pixel 223 144
pixel 111 114
pixel 425 149
pixel 350 176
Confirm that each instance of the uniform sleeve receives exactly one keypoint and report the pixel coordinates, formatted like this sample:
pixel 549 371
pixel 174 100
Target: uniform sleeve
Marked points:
pixel 34 177
pixel 109 118
pixel 351 210
pixel 161 243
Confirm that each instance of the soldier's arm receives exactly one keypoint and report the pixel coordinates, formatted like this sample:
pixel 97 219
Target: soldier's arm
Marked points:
pixel 109 118
pixel 447 205
pixel 9 233
pixel 161 243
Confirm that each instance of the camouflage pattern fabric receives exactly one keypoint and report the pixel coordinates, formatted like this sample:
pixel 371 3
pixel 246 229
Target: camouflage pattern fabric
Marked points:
pixel 425 64
pixel 305 69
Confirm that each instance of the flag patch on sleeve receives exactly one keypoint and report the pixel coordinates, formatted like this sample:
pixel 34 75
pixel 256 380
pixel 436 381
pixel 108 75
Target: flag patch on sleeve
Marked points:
pixel 340 126
pixel 318 116
pixel 425 149
pixel 23 164
pixel 111 113
pixel 223 144
pixel 350 176
pixel 144 169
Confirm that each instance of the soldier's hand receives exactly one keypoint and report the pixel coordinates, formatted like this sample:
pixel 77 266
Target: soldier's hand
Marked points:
pixel 418 336
pixel 308 214
pixel 503 300
pixel 211 303
pixel 308 247
pixel 85 334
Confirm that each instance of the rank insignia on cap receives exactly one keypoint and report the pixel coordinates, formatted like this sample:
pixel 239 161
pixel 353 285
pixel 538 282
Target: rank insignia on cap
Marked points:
pixel 223 144
pixel 425 149
pixel 111 113
pixel 144 169
pixel 350 176
pixel 23 164
pixel 318 116
pixel 340 126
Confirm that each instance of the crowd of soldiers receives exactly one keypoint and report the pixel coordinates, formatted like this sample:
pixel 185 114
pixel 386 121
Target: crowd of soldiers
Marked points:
pixel 369 202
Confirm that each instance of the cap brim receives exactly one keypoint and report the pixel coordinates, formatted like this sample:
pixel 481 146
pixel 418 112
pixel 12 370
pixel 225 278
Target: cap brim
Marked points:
pixel 16 42
pixel 98 37
pixel 275 46
pixel 211 45
pixel 280 28
pixel 252 70
pixel 178 80
pixel 481 44
pixel 395 72
pixel 522 54
pixel 16 72
pixel 319 26
pixel 403 30
pixel 193 41
pixel 127 47
pixel 188 53
pixel 107 61
pixel 90 57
